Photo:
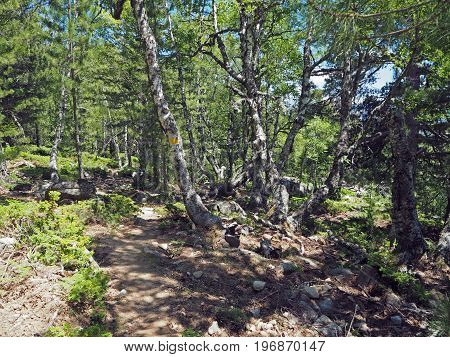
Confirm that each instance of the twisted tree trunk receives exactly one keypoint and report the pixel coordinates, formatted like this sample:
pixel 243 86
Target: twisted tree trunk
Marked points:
pixel 196 210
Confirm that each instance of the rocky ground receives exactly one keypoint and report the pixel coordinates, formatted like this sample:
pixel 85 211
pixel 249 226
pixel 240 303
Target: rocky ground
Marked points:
pixel 262 280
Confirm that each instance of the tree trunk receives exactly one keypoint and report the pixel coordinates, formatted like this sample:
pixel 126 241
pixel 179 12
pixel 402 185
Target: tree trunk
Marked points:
pixel 58 135
pixel 77 139
pixel 336 173
pixel 196 210
pixel 405 222
pixel 3 167
pixel 303 102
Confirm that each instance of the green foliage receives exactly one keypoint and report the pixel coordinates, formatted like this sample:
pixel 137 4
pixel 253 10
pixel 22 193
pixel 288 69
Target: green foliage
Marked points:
pixel 190 332
pixel 440 323
pixel 88 287
pixel 111 209
pixel 53 236
pixel 234 317
pixel 175 209
pixel 67 330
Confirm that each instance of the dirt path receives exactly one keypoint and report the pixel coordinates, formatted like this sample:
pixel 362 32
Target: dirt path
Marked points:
pixel 138 270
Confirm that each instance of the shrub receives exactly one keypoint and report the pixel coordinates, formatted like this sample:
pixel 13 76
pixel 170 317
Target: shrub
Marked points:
pixel 190 332
pixel 88 287
pixel 233 317
pixel 113 208
pixel 67 330
pixel 440 323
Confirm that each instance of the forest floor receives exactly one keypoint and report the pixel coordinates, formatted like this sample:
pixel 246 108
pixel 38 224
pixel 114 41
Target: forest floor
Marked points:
pixel 165 280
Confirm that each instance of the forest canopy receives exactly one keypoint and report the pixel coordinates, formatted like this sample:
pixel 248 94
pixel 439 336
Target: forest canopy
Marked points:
pixel 289 109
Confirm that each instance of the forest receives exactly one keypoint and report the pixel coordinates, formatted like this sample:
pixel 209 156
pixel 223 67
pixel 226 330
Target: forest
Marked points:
pixel 224 168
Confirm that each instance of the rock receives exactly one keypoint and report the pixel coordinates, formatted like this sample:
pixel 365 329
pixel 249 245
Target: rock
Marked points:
pixel 256 312
pixel 362 326
pixel 227 208
pixel 267 236
pixel 23 187
pixel 73 190
pixel 396 320
pixel 122 292
pixel 163 246
pixel 306 312
pixel 197 274
pixel 393 300
pixel 367 278
pixel 327 327
pixel 250 327
pixel 244 231
pixel 288 267
pixel 267 250
pixel 326 305
pixel 214 329
pixel 259 285
pixel 232 240
pixel 7 241
pixel 311 291
pixel 340 271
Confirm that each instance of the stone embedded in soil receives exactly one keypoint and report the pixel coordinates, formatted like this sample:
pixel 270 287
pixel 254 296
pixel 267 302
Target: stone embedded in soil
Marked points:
pixel 311 291
pixel 122 292
pixel 326 305
pixel 393 300
pixel 306 312
pixel 327 327
pixel 256 312
pixel 198 274
pixel 214 329
pixel 396 320
pixel 259 285
pixel 163 246
pixel 288 267
pixel 362 326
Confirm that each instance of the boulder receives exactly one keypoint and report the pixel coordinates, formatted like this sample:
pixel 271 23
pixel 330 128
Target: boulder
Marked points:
pixel 227 208
pixel 72 190
pixel 23 187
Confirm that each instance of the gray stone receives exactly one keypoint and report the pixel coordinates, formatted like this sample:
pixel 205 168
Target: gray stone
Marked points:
pixel 122 292
pixel 393 300
pixel 326 305
pixel 214 329
pixel 259 285
pixel 396 320
pixel 227 208
pixel 341 271
pixel 311 291
pixel 7 241
pixel 306 312
pixel 79 190
pixel 256 312
pixel 288 267
pixel 327 327
pixel 362 326
pixel 245 231
pixel 197 274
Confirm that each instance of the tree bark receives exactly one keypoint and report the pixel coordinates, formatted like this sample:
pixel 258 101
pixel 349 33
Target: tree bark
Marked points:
pixel 336 173
pixel 405 222
pixel 77 139
pixel 303 102
pixel 196 210
pixel 58 135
